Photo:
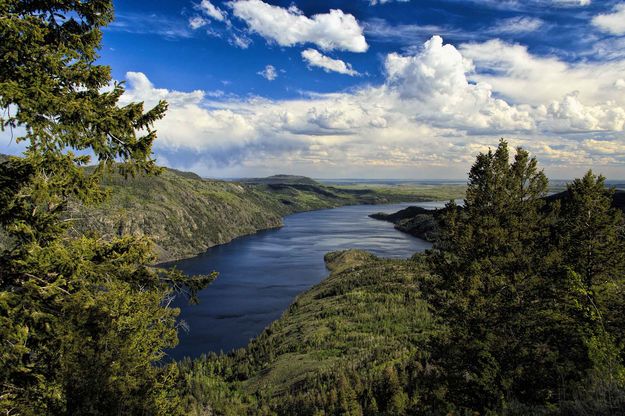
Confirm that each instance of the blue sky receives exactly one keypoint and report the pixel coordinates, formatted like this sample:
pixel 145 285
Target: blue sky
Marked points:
pixel 376 88
pixel 154 37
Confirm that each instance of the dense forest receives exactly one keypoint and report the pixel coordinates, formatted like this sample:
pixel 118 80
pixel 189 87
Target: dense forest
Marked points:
pixel 518 308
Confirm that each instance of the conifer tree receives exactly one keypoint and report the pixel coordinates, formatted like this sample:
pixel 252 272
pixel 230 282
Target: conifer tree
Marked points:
pixel 484 261
pixel 592 231
pixel 591 237
pixel 83 322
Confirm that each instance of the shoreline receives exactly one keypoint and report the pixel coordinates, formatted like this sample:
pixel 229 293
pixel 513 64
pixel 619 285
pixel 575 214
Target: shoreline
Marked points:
pixel 163 262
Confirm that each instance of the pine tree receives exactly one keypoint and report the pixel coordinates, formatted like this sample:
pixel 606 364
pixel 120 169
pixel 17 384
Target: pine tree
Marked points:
pixel 592 242
pixel 485 259
pixel 591 231
pixel 83 322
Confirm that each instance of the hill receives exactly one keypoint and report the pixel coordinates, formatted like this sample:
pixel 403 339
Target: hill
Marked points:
pixel 618 199
pixel 282 179
pixel 416 221
pixel 336 348
pixel 185 215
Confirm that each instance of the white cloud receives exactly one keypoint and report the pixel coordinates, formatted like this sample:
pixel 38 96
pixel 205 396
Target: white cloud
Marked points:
pixel 570 114
pixel 315 58
pixel 288 27
pixel 571 3
pixel 524 5
pixel 518 24
pixel 197 22
pixel 525 78
pixel 382 30
pixel 435 80
pixel 210 10
pixel 431 113
pixel 142 23
pixel 269 73
pixel 614 22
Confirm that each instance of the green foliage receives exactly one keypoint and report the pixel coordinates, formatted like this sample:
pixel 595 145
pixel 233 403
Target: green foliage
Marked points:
pixel 518 310
pixel 83 322
pixel 345 347
pixel 516 288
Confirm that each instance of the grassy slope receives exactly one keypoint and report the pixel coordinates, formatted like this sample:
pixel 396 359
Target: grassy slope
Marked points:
pixel 185 215
pixel 363 319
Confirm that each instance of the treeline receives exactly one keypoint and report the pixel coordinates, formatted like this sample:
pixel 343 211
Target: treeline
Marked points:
pixel 525 299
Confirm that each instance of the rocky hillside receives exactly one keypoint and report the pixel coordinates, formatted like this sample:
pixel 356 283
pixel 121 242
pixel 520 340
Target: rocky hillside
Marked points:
pixel 185 215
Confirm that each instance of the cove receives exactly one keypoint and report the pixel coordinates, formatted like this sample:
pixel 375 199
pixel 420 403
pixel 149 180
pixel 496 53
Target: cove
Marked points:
pixel 260 275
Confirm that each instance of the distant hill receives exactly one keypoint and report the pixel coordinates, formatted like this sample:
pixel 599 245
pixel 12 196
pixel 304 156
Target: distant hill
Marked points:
pixel 282 180
pixel 618 201
pixel 184 215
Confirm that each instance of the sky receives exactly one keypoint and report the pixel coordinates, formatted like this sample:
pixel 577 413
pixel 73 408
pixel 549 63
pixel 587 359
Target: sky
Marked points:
pixel 375 88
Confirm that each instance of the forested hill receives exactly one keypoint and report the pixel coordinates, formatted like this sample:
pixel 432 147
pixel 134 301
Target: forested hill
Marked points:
pixel 349 346
pixel 618 198
pixel 517 311
pixel 281 180
pixel 185 215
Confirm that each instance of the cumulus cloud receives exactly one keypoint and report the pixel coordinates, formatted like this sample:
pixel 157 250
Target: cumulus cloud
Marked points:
pixel 430 112
pixel 516 74
pixel 315 58
pixel 288 27
pixel 613 23
pixel 435 83
pixel 269 73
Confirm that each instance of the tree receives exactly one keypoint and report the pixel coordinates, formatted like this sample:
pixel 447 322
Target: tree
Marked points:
pixel 83 322
pixel 591 231
pixel 530 293
pixel 591 239
pixel 485 260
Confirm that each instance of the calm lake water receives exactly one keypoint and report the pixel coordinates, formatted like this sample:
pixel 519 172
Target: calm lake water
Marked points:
pixel 260 275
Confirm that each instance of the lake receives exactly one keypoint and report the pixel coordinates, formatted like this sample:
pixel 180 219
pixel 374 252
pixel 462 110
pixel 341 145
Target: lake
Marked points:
pixel 260 275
